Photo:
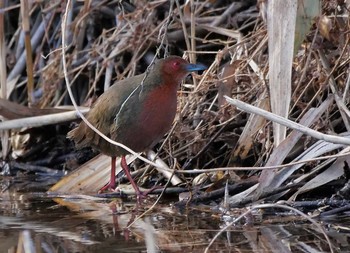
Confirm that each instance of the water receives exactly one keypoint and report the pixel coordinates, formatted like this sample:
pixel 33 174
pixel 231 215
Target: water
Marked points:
pixel 31 220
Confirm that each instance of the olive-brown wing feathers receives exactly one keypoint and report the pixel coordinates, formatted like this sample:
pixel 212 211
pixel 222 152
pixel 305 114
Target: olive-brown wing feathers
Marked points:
pixel 103 113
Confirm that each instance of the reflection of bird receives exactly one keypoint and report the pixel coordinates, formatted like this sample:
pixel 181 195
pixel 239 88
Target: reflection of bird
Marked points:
pixel 136 112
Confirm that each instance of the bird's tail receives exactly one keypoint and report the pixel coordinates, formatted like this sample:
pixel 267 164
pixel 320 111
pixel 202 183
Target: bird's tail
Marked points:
pixel 78 136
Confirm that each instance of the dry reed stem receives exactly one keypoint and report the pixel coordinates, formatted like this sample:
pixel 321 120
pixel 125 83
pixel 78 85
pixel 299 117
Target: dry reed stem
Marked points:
pixel 25 9
pixel 3 74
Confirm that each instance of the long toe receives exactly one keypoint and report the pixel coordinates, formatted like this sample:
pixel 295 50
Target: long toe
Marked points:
pixel 141 195
pixel 107 187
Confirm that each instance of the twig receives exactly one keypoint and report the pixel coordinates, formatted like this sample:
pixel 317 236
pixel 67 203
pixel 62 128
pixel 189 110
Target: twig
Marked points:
pixel 288 123
pixel 41 120
pixel 265 206
pixel 261 168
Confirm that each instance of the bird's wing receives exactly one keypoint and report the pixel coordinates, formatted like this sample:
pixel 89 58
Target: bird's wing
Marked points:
pixel 103 112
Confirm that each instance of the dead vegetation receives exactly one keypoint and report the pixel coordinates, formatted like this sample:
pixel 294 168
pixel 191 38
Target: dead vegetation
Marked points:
pixel 110 40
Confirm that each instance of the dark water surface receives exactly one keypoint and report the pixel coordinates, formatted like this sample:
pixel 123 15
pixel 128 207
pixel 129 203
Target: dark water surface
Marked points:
pixel 32 221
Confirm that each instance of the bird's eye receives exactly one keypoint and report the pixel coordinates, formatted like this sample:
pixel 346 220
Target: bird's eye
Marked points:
pixel 176 64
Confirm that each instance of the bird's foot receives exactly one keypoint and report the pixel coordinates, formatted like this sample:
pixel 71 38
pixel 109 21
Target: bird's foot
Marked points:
pixel 108 187
pixel 141 195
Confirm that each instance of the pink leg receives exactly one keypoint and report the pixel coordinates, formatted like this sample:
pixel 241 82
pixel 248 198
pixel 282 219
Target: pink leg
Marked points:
pixel 125 167
pixel 140 195
pixel 111 184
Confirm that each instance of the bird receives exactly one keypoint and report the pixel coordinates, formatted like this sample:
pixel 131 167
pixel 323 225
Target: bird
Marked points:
pixel 137 112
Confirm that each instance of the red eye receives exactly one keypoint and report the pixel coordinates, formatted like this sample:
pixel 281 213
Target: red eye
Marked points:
pixel 176 64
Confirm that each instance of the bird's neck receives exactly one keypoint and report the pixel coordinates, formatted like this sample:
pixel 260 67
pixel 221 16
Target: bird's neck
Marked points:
pixel 156 79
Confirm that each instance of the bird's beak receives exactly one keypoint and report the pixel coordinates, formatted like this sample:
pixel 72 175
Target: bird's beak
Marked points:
pixel 195 67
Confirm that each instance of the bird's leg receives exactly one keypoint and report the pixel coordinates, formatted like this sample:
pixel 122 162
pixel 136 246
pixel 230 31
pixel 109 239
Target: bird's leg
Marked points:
pixel 140 195
pixel 125 167
pixel 111 184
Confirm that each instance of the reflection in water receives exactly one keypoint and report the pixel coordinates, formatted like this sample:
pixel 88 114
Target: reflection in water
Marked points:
pixel 87 224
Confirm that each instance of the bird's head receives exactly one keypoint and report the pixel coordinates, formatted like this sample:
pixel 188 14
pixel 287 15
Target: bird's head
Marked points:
pixel 177 69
